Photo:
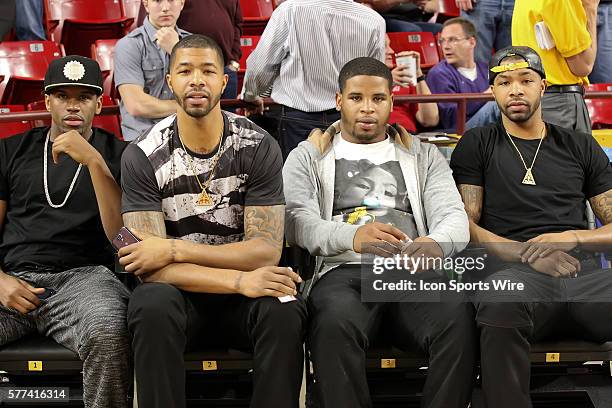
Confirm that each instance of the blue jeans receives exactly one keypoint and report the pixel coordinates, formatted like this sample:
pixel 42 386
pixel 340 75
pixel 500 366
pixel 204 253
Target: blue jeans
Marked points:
pixel 493 19
pixel 231 90
pixel 602 74
pixel 29 20
pixel 294 126
pixel 487 114
pixel 401 26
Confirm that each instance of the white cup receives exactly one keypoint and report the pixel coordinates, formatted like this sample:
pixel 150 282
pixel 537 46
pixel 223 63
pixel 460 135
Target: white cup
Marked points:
pixel 410 62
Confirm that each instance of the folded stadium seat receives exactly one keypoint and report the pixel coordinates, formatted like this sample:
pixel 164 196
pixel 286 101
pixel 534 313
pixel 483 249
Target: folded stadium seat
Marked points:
pixel 423 42
pixel 600 110
pixel 103 51
pixel 12 128
pixel 79 23
pixel 247 45
pixel 448 8
pixel 256 14
pixel 23 65
pixel 131 9
pixel 111 123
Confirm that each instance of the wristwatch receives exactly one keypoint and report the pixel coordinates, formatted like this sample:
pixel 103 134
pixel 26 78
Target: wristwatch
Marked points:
pixel 420 78
pixel 235 65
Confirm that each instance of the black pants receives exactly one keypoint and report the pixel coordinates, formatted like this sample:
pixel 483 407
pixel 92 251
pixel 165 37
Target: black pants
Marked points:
pixel 294 126
pixel 165 322
pixel 547 308
pixel 342 327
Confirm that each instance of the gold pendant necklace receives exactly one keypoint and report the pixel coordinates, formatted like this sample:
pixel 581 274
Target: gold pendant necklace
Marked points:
pixel 528 179
pixel 203 199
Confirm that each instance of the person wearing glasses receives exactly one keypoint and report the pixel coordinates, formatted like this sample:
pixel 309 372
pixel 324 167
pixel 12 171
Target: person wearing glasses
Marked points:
pixel 460 73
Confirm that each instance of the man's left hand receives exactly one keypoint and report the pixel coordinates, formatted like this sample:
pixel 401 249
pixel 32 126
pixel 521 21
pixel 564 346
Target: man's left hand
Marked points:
pixel 425 248
pixel 75 146
pixel 543 245
pixel 149 255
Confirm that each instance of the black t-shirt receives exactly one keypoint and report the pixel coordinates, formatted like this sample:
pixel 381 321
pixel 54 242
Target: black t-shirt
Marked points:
pixel 570 168
pixel 158 175
pixel 33 231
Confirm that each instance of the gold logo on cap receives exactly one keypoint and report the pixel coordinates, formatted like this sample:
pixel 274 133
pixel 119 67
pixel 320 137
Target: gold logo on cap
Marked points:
pixel 510 67
pixel 74 70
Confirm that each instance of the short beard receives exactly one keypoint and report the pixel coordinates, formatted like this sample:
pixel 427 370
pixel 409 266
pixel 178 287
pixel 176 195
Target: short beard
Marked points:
pixel 365 137
pixel 198 113
pixel 520 117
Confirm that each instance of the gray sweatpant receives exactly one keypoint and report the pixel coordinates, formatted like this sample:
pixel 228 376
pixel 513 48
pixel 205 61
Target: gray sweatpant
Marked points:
pixel 86 315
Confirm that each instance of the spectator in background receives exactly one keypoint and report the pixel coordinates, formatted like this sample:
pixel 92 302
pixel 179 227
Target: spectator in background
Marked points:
pixel 602 72
pixel 302 61
pixel 407 16
pixel 220 20
pixel 460 73
pixel 408 114
pixel 141 64
pixel 29 20
pixel 493 19
pixel 573 28
pixel 7 17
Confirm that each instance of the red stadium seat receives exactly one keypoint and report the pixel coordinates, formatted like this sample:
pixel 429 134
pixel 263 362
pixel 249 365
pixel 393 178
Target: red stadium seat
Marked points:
pixel 600 110
pixel 247 45
pixel 131 8
pixel 23 65
pixel 103 51
pixel 79 23
pixel 448 8
pixel 12 128
pixel 256 14
pixel 423 43
pixel 109 123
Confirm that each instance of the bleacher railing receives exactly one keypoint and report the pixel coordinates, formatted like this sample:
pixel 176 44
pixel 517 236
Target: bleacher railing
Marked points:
pixel 461 100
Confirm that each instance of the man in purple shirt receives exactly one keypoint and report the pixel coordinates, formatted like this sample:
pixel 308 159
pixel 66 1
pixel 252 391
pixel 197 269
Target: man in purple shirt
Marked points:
pixel 460 73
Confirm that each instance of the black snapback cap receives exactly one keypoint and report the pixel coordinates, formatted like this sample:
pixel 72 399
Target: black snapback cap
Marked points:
pixel 73 70
pixel 531 61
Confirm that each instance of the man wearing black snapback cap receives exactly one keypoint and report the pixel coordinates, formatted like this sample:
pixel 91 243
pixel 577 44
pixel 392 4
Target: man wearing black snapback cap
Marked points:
pixel 59 206
pixel 525 183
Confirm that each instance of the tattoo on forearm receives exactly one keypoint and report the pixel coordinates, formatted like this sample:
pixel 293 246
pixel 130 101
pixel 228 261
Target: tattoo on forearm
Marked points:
pixel 151 222
pixel 602 206
pixel 266 222
pixel 472 200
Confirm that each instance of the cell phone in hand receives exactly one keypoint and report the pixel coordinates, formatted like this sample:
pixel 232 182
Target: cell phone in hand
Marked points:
pixel 124 238
pixel 46 294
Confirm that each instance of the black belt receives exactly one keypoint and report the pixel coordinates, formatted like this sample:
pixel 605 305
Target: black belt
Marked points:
pixel 565 89
pixel 327 112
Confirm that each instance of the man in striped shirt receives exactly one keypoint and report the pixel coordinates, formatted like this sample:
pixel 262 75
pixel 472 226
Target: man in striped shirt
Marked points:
pixel 300 54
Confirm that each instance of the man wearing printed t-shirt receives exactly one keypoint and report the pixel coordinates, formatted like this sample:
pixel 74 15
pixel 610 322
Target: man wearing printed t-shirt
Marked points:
pixel 525 184
pixel 59 207
pixel 203 188
pixel 358 187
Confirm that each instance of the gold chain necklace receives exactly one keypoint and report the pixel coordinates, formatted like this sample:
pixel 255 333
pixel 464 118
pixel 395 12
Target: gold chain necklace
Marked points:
pixel 204 199
pixel 528 179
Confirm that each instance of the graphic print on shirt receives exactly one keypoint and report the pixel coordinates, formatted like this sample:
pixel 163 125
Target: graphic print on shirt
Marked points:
pixel 365 192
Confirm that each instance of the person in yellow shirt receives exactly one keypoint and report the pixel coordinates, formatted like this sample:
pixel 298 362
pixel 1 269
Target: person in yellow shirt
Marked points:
pixel 572 25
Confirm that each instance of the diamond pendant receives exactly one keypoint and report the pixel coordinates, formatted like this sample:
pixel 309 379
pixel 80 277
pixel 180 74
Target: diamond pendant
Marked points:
pixel 204 200
pixel 528 179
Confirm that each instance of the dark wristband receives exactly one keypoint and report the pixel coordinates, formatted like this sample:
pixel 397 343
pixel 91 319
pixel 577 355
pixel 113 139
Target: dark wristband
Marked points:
pixel 421 78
